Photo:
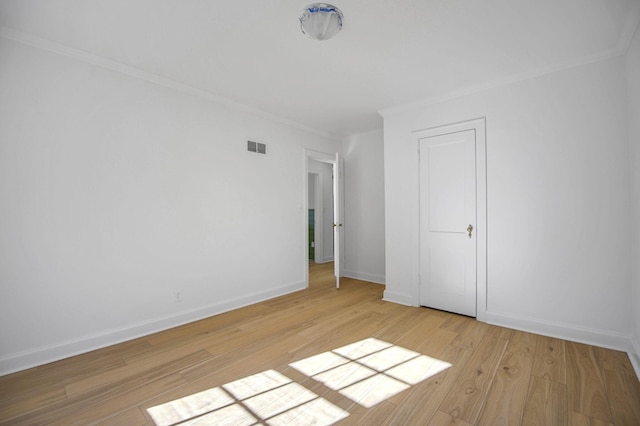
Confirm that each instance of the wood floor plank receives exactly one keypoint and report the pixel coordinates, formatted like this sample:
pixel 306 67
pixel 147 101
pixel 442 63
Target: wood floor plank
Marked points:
pixel 470 333
pixel 598 422
pixel 550 360
pixel 208 325
pixel 178 346
pixel 132 369
pixel 624 395
pixel 401 323
pixel 609 359
pixel 95 406
pixel 225 367
pixel 91 362
pixel 359 327
pixel 14 407
pixel 319 328
pixel 494 375
pixel 131 417
pixel 432 343
pixel 215 373
pixel 101 409
pixel 546 403
pixel 420 405
pixel 506 398
pixel 585 383
pixel 467 396
pixel 363 416
pixel 458 323
pixel 445 419
pixel 523 344
pixel 52 376
pixel 579 419
pixel 102 401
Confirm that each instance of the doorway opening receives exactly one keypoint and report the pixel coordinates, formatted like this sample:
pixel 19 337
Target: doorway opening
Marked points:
pixel 319 223
pixel 323 211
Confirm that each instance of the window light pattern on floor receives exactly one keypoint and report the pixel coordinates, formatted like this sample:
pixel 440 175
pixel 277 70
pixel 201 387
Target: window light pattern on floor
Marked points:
pixel 370 371
pixel 264 397
pixel 367 372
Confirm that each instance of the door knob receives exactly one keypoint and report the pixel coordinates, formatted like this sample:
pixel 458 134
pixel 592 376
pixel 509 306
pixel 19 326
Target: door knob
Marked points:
pixel 470 229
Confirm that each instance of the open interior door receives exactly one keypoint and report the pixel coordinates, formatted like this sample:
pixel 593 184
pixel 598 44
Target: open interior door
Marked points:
pixel 338 168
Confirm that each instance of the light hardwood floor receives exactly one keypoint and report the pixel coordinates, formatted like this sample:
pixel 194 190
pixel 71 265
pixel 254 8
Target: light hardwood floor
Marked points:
pixel 484 375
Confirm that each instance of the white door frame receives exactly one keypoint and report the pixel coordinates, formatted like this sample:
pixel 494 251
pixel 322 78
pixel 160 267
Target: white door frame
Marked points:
pixel 479 126
pixel 322 157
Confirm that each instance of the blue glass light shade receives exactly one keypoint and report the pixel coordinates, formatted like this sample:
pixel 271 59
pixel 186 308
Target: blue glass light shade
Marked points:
pixel 321 21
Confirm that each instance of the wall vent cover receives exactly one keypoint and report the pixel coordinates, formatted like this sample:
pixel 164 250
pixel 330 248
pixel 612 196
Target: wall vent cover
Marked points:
pixel 258 147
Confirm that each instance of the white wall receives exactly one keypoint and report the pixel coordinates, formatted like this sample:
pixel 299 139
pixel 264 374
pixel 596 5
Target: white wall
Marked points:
pixel 364 207
pixel 558 182
pixel 117 192
pixel 633 90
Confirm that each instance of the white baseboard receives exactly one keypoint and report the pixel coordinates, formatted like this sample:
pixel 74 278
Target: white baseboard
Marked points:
pixel 46 354
pixel 400 298
pixel 374 278
pixel 591 336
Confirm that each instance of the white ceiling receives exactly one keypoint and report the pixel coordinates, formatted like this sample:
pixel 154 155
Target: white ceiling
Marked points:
pixel 389 53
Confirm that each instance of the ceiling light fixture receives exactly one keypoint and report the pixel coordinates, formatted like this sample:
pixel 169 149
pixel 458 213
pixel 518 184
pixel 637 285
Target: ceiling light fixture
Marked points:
pixel 321 21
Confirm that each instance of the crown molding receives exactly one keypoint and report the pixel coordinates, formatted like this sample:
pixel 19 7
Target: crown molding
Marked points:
pixel 631 25
pixel 505 81
pixel 374 132
pixel 102 62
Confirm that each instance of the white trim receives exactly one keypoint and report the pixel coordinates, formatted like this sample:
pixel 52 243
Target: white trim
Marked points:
pixel 399 298
pixel 320 156
pixel 323 157
pixel 631 25
pixel 364 276
pixel 479 126
pixel 590 336
pixel 46 354
pixel 99 61
pixel 366 133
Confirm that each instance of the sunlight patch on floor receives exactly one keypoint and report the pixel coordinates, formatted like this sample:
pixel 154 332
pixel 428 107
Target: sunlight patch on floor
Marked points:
pixel 190 406
pixel 370 371
pixel 268 396
pixel 366 372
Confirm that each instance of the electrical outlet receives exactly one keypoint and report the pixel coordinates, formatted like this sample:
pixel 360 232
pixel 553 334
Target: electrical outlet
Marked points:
pixel 177 296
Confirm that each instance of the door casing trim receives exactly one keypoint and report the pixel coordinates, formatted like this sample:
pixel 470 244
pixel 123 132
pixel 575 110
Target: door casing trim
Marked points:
pixel 479 126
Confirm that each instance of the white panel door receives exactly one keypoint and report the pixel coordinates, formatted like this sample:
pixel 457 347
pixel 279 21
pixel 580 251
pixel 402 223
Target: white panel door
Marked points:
pixel 448 221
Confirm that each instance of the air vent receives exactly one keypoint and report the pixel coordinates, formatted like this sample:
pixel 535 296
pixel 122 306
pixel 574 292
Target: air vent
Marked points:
pixel 258 147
